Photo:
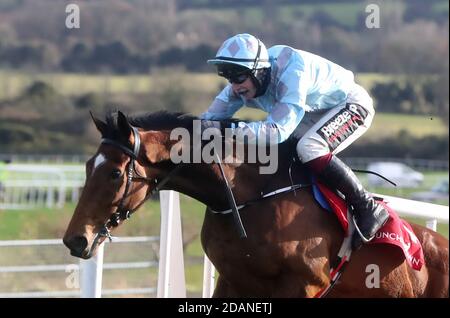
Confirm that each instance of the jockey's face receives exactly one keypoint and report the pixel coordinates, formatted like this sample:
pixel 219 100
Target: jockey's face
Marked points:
pixel 245 89
pixel 240 79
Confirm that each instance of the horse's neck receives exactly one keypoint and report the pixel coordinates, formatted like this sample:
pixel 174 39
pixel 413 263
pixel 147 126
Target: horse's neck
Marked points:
pixel 205 182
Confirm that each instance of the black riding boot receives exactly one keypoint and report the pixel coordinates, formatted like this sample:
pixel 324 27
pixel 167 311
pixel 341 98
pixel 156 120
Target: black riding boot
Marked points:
pixel 369 215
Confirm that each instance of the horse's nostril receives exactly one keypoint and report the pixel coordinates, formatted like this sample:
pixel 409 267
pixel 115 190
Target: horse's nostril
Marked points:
pixel 76 244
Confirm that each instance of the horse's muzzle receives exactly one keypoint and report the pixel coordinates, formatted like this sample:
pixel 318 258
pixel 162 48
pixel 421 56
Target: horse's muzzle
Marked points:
pixel 77 246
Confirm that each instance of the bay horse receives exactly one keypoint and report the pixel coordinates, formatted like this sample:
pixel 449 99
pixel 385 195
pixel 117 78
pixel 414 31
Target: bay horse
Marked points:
pixel 290 242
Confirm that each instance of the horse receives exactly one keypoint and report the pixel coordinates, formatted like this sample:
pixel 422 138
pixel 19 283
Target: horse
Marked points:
pixel 291 240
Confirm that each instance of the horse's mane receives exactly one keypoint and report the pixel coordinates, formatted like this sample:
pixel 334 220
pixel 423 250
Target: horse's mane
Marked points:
pixel 159 120
pixel 162 120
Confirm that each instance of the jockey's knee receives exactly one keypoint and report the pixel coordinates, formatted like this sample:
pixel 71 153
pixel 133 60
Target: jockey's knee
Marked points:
pixel 317 165
pixel 308 150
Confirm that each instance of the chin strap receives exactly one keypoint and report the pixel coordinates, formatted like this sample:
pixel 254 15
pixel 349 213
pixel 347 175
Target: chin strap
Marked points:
pixel 261 79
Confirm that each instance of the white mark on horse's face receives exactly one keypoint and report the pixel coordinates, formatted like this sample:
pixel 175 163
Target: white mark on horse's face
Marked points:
pixel 99 160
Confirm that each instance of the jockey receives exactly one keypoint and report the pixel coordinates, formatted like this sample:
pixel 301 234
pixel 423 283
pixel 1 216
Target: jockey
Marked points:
pixel 308 98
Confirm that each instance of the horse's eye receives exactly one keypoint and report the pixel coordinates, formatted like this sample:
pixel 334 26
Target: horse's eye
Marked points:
pixel 115 174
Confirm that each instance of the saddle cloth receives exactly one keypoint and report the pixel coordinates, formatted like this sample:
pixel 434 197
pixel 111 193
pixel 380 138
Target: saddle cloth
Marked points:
pixel 396 231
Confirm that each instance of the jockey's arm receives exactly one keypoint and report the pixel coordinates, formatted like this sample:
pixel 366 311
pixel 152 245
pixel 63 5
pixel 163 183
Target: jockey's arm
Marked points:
pixel 284 117
pixel 278 126
pixel 224 106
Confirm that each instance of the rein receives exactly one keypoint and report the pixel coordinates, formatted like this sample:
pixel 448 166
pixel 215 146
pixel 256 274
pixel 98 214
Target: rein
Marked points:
pixel 232 201
pixel 291 188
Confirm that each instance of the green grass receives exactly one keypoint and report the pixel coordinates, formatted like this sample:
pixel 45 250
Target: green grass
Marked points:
pixel 384 124
pixel 50 223
pixel 12 84
pixel 344 13
pixel 430 179
pixel 367 80
pixel 441 227
pixel 388 125
pixel 441 6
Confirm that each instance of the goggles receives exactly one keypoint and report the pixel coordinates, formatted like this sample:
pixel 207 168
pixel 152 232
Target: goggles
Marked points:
pixel 234 77
pixel 234 74
pixel 238 79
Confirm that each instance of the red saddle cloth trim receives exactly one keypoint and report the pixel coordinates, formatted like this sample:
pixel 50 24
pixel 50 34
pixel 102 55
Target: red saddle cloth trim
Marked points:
pixel 337 204
pixel 396 231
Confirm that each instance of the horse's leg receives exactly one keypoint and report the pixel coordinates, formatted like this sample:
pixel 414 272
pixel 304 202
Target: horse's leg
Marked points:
pixel 306 257
pixel 223 289
pixel 376 270
pixel 396 278
pixel 298 286
pixel 288 285
pixel 305 273
pixel 283 257
pixel 435 249
pixel 432 280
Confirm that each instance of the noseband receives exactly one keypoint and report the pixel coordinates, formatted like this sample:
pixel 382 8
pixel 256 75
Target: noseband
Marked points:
pixel 123 213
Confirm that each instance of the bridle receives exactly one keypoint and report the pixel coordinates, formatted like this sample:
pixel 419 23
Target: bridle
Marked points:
pixel 123 213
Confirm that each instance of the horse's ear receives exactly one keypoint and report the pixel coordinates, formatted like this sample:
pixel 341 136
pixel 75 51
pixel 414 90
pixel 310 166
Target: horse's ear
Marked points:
pixel 101 126
pixel 124 125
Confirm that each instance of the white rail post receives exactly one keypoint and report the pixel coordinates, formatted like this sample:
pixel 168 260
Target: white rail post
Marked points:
pixel 171 280
pixel 208 278
pixel 418 209
pixel 91 275
pixel 50 196
pixel 432 224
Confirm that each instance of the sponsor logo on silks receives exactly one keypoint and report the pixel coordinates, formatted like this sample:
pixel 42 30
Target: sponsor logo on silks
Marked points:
pixel 405 245
pixel 336 123
pixel 342 125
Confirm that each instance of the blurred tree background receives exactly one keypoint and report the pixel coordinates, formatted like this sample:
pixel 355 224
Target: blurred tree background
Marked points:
pixel 145 55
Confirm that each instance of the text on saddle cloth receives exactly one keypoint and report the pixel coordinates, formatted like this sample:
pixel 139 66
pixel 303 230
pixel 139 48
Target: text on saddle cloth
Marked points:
pixel 396 231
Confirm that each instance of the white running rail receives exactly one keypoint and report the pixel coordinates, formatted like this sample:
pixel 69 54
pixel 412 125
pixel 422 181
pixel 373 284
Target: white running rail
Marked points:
pixel 28 186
